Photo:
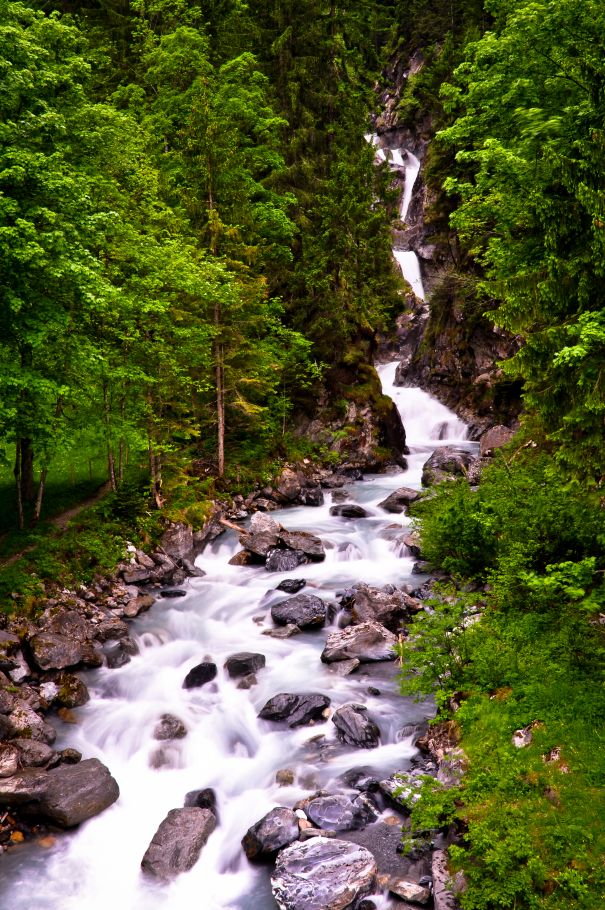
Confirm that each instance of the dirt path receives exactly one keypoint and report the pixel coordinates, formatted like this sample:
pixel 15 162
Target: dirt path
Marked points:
pixel 61 521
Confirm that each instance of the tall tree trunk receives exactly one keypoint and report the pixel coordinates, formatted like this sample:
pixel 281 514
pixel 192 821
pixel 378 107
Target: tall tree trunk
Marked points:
pixel 40 496
pixel 121 444
pixel 155 470
pixel 111 462
pixel 18 487
pixel 111 469
pixel 28 483
pixel 220 393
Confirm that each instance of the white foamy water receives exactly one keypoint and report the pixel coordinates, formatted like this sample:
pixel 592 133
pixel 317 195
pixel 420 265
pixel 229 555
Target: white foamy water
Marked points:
pixel 412 168
pixel 410 269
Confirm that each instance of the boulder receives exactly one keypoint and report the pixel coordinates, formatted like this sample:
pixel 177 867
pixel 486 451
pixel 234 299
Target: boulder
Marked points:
pixel 291 585
pixel 169 727
pixel 337 813
pixel 399 501
pixel 283 631
pixel 388 607
pixel 308 543
pixel 494 438
pixel 289 485
pixel 322 874
pixel 173 593
pixel 200 675
pixel 72 692
pixel 446 463
pixel 177 844
pixel 9 759
pixel 10 645
pixel 367 642
pixel 203 799
pixel 65 795
pixel 244 663
pixel 311 496
pixel 32 754
pixel 285 560
pixel 54 652
pixel 355 728
pixel 296 710
pixel 177 541
pixel 27 724
pixel 138 604
pixel 348 510
pixel 244 558
pixel 410 891
pixel 259 544
pixel 111 629
pixel 304 610
pixel 444 886
pixel 273 832
pixel 344 667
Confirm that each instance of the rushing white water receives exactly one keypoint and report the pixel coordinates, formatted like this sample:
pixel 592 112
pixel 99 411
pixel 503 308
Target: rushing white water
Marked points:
pixel 412 168
pixel 227 747
pixel 410 268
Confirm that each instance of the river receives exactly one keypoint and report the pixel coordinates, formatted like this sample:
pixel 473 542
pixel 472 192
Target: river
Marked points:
pixel 227 747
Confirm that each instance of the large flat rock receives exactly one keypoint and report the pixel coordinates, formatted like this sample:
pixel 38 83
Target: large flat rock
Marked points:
pixel 177 844
pixel 66 795
pixel 369 641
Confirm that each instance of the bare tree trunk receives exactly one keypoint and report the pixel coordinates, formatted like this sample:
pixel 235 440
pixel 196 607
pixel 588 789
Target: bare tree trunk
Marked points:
pixel 220 409
pixel 40 496
pixel 111 469
pixel 28 484
pixel 18 487
pixel 155 470
pixel 121 445
pixel 111 462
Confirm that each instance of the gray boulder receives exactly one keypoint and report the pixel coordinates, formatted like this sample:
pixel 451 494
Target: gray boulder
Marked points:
pixel 27 724
pixel 273 832
pixel 177 844
pixel 322 874
pixel 304 610
pixel 54 652
pixel 177 541
pixel 348 510
pixel 367 642
pixel 337 813
pixel 399 501
pixel 279 560
pixel 200 675
pixel 389 608
pixel 244 663
pixel 291 585
pixel 66 795
pixel 310 545
pixel 32 754
pixel 446 463
pixel 169 727
pixel 296 710
pixel 494 438
pixel 355 728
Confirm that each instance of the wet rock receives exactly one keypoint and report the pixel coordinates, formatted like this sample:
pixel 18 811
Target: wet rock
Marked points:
pixel 54 652
pixel 399 501
pixel 337 813
pixel 10 646
pixel 25 723
pixel 9 759
pixel 289 485
pixel 348 510
pixel 169 727
pixel 402 790
pixel 362 779
pixel 138 604
pixel 177 541
pixel 7 701
pixel 119 654
pixel 172 593
pixel 389 608
pixel 111 629
pixel 178 842
pixel 284 777
pixel 445 887
pixel 296 710
pixel 276 830
pixel 66 795
pixel 291 585
pixel 308 543
pixel 200 675
pixel 322 874
pixel 355 728
pixel 246 682
pixel 366 642
pixel 284 560
pixel 259 544
pixel 303 610
pixel 244 663
pixel 244 558
pixel 493 439
pixel 311 496
pixel 410 891
pixel 412 542
pixel 283 631
pixel 70 756
pixel 446 463
pixel 345 667
pixel 202 799
pixel 33 754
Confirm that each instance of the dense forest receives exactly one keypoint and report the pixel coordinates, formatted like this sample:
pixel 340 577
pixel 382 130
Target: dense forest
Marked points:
pixel 196 249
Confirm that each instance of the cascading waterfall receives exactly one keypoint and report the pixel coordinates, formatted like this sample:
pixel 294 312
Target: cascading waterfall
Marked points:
pixel 227 747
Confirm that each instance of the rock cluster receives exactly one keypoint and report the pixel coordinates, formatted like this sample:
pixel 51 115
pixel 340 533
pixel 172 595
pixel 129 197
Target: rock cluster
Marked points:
pixel 279 550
